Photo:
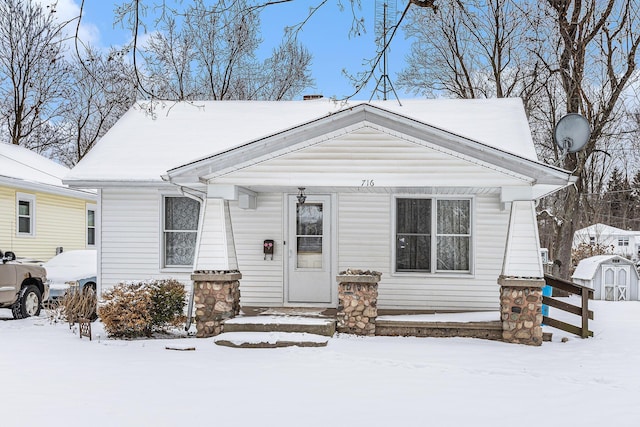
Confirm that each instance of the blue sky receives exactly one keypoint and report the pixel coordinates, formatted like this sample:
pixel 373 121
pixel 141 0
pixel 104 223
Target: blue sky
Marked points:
pixel 326 36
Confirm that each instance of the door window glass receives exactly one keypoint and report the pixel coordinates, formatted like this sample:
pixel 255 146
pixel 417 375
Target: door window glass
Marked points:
pixel 309 223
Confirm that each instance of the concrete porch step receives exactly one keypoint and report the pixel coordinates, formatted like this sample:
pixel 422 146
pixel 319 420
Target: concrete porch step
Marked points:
pixel 270 339
pixel 278 323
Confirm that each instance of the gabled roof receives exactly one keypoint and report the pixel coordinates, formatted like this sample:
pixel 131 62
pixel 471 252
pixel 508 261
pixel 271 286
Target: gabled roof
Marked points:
pixel 143 148
pixel 588 267
pixel 23 168
pixel 364 114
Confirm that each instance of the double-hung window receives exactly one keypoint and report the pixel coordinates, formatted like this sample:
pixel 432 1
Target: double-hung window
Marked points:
pixel 26 214
pixel 623 241
pixel 180 228
pixel 433 235
pixel 91 225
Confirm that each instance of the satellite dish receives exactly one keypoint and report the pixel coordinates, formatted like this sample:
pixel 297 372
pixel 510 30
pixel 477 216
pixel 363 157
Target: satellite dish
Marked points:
pixel 572 133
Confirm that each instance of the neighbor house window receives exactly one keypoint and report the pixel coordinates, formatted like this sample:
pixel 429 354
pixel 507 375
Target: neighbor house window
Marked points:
pixel 181 216
pixel 592 240
pixel 623 241
pixel 433 235
pixel 91 225
pixel 26 214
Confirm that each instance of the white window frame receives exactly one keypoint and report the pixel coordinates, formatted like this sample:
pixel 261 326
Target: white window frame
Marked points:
pixel 623 241
pixel 163 230
pixel 31 198
pixel 434 271
pixel 94 208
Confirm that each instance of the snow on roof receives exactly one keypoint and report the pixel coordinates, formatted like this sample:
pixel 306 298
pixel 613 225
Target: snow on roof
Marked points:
pixel 587 267
pixel 20 163
pixel 603 230
pixel 143 146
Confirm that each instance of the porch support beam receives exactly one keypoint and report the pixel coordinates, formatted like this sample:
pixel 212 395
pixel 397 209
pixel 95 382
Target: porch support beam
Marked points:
pixel 216 249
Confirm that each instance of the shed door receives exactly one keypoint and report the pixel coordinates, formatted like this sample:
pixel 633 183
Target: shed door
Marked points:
pixel 615 282
pixel 309 253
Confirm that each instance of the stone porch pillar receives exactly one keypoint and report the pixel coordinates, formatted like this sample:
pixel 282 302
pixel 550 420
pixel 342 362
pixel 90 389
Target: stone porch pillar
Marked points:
pixel 358 302
pixel 521 309
pixel 217 298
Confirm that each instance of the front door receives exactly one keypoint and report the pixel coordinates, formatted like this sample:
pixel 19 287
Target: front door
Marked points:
pixel 309 250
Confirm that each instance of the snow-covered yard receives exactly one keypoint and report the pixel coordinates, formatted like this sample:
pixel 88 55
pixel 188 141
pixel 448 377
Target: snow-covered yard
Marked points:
pixel 49 377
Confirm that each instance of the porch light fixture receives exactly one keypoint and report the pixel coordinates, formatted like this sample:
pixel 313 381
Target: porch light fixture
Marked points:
pixel 301 196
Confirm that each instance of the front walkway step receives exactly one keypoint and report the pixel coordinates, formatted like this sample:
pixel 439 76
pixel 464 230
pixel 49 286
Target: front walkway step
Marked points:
pixel 270 339
pixel 276 323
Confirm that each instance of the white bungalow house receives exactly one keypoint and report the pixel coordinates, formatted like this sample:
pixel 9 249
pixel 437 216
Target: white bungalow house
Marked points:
pixel 622 242
pixel 612 277
pixel 438 195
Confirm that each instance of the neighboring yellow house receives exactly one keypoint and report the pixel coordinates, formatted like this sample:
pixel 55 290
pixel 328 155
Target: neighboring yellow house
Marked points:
pixel 39 216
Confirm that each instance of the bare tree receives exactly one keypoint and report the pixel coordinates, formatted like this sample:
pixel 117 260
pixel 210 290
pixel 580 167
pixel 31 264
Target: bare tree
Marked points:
pixel 591 54
pixel 209 52
pixel 471 49
pixel 103 90
pixel 168 62
pixel 560 56
pixel 32 73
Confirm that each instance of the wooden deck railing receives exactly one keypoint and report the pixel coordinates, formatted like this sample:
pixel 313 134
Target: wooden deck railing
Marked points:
pixel 583 311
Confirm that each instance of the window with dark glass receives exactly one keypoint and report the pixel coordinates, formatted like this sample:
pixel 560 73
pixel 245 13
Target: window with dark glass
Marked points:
pixel 91 227
pixel 433 235
pixel 413 234
pixel 25 222
pixel 181 215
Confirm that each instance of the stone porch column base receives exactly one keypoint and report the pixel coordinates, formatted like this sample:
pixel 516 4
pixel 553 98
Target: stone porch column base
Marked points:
pixel 357 303
pixel 217 298
pixel 521 309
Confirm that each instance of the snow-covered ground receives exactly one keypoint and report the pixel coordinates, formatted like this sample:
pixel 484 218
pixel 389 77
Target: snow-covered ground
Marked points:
pixel 50 377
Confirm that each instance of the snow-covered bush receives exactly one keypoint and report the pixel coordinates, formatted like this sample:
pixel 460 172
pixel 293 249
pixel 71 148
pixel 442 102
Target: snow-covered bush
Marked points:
pixel 138 309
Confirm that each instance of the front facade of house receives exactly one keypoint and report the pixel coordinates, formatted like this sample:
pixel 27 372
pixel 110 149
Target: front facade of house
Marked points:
pixel 292 193
pixel 39 216
pixel 621 242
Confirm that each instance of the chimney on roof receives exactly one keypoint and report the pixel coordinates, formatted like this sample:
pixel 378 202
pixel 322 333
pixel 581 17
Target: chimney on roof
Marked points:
pixel 311 97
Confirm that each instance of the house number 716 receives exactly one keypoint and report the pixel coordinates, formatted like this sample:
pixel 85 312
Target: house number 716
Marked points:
pixel 367 183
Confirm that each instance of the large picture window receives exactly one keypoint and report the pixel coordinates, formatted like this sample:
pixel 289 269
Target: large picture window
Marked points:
pixel 433 235
pixel 181 216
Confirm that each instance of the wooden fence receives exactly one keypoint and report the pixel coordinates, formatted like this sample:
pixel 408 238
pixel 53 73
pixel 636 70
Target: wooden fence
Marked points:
pixel 585 314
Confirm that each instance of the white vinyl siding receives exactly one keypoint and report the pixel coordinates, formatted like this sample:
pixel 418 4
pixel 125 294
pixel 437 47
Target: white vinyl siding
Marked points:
pixel 262 281
pixel 365 234
pixel 368 155
pixel 131 237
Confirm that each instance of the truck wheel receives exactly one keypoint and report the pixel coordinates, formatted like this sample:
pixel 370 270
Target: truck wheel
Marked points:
pixel 28 303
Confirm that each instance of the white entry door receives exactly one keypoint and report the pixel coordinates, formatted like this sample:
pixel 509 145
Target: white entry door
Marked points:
pixel 309 250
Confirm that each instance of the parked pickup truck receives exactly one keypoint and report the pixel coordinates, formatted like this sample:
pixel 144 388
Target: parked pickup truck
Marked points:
pixel 23 287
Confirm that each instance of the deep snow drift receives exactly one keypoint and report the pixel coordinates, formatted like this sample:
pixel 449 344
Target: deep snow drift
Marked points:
pixel 50 377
